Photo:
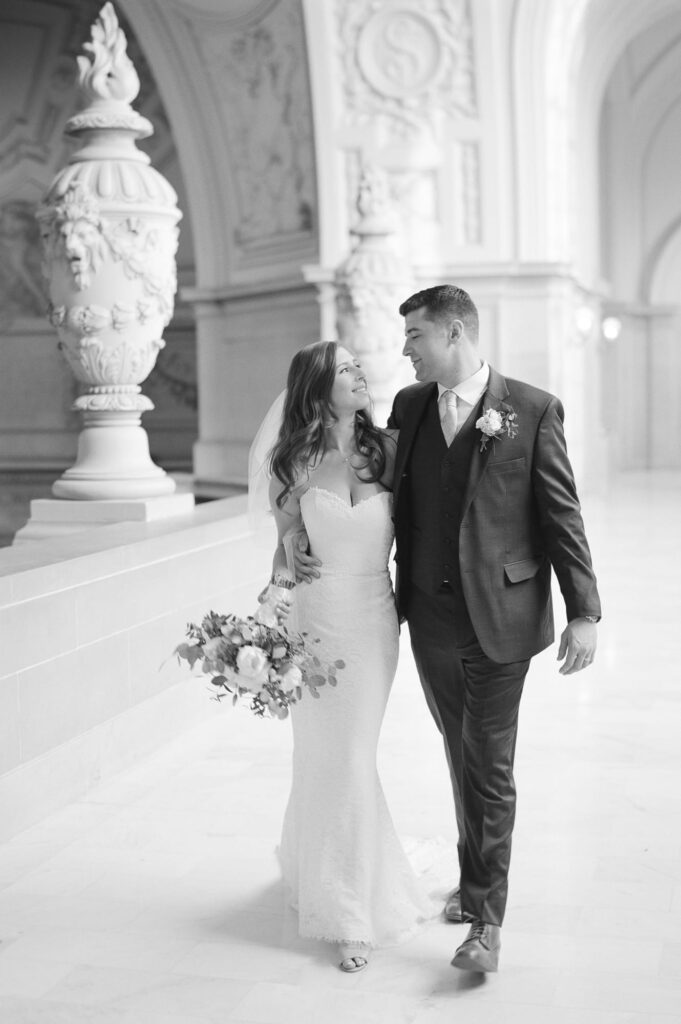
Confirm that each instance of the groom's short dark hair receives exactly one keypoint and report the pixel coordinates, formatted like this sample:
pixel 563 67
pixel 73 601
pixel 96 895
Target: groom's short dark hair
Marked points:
pixel 445 302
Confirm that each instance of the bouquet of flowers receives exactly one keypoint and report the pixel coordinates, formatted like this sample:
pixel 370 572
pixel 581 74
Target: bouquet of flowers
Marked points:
pixel 253 659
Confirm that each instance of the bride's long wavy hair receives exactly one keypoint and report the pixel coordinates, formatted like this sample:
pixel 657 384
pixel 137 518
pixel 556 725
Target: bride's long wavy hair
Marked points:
pixel 307 412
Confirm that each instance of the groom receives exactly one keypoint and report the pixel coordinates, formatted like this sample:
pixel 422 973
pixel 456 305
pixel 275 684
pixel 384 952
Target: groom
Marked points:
pixel 485 506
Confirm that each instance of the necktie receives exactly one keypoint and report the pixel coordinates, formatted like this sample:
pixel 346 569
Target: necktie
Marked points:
pixel 449 417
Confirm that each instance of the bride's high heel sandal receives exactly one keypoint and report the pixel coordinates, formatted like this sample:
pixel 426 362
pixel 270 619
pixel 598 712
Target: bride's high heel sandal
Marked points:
pixel 354 957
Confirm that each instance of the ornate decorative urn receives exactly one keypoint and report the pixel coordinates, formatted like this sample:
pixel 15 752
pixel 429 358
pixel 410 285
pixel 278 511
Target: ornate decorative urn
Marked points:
pixel 109 230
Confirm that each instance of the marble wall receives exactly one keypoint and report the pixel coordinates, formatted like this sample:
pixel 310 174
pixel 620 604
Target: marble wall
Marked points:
pixel 88 684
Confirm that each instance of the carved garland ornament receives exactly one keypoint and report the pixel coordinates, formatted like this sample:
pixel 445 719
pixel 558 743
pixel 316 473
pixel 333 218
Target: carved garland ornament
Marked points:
pixel 261 76
pixel 74 231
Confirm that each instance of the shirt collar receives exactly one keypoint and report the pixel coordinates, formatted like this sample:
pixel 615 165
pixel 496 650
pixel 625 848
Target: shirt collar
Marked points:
pixel 470 389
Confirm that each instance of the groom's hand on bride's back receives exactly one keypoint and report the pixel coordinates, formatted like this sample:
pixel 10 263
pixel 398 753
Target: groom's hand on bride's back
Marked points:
pixel 304 564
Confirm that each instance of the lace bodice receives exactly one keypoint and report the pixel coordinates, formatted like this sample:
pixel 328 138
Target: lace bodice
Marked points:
pixel 348 539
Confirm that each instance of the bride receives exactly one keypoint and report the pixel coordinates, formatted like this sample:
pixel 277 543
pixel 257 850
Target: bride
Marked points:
pixel 331 473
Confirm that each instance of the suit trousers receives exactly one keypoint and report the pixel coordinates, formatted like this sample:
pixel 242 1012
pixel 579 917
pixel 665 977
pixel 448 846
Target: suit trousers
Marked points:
pixel 475 703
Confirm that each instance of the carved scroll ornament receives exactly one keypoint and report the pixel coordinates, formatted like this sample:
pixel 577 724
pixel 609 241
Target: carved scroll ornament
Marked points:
pixel 406 65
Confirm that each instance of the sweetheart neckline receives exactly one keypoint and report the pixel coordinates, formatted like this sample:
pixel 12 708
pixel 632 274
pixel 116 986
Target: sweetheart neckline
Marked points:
pixel 342 501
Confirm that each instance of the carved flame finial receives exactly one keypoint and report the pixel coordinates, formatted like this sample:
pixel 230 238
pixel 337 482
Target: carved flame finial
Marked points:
pixel 108 73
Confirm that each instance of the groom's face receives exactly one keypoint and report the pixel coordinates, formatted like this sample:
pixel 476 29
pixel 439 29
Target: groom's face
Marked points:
pixel 428 345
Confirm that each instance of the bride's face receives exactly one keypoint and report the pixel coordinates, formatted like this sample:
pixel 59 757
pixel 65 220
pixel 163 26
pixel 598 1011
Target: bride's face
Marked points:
pixel 350 391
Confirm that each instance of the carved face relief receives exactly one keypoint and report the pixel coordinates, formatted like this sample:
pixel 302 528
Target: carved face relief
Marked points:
pixel 84 248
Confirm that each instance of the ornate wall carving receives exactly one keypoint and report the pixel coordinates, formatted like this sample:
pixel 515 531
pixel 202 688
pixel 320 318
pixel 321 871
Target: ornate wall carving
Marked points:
pixel 175 374
pixel 22 290
pixel 406 65
pixel 260 74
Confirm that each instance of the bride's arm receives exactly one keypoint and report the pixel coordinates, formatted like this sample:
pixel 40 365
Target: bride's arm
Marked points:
pixel 292 549
pixel 288 520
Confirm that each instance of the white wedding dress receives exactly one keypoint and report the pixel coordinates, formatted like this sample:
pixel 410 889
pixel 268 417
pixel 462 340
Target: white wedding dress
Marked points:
pixel 347 874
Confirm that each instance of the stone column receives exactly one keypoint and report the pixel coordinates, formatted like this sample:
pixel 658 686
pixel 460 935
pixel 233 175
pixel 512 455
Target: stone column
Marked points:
pixel 109 231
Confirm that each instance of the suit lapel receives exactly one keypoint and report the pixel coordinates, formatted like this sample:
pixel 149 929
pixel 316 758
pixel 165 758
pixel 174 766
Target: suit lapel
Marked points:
pixel 415 413
pixel 493 398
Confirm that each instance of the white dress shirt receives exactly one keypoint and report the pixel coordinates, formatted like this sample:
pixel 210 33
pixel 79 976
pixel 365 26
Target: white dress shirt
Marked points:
pixel 468 392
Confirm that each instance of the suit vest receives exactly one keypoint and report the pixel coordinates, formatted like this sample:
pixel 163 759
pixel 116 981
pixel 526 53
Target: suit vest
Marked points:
pixel 438 478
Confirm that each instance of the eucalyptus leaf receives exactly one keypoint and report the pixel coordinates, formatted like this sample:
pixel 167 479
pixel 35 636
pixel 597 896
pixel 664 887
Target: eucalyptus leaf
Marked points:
pixel 189 652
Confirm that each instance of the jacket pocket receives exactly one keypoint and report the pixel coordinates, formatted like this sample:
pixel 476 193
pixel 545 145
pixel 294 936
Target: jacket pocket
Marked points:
pixel 506 467
pixel 525 569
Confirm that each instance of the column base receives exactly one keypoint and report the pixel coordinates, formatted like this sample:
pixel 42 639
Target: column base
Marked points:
pixel 54 517
pixel 113 461
pixel 80 487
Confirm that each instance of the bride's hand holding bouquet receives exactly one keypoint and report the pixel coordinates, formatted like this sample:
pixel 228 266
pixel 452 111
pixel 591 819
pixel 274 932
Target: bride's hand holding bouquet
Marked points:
pixel 257 657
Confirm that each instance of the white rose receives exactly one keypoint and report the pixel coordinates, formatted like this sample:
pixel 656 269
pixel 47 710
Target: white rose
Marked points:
pixel 491 423
pixel 292 677
pixel 253 667
pixel 266 616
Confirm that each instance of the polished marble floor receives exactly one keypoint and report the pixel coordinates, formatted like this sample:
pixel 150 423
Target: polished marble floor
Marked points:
pixel 156 900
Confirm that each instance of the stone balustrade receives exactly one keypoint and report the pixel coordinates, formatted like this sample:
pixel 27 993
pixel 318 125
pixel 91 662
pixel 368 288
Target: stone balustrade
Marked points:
pixel 88 623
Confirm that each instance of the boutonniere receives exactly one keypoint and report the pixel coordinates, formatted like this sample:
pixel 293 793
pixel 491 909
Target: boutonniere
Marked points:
pixel 495 423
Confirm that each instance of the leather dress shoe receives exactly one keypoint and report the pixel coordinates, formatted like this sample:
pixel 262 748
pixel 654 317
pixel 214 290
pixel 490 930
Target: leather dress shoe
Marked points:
pixel 480 951
pixel 453 911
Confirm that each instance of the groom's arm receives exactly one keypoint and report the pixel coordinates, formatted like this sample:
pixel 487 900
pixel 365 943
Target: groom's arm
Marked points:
pixel 560 516
pixel 565 540
pixel 298 547
pixel 395 418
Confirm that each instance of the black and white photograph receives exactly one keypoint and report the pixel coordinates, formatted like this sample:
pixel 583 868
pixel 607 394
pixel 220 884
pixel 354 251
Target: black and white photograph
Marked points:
pixel 340 511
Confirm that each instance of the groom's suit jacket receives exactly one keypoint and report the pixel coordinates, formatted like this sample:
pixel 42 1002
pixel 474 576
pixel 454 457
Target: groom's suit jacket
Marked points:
pixel 510 511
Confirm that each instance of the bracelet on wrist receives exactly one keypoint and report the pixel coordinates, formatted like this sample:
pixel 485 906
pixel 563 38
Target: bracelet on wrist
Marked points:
pixel 282 581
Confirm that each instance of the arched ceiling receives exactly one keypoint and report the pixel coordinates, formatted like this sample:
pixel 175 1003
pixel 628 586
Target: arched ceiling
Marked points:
pixel 641 160
pixel 564 58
